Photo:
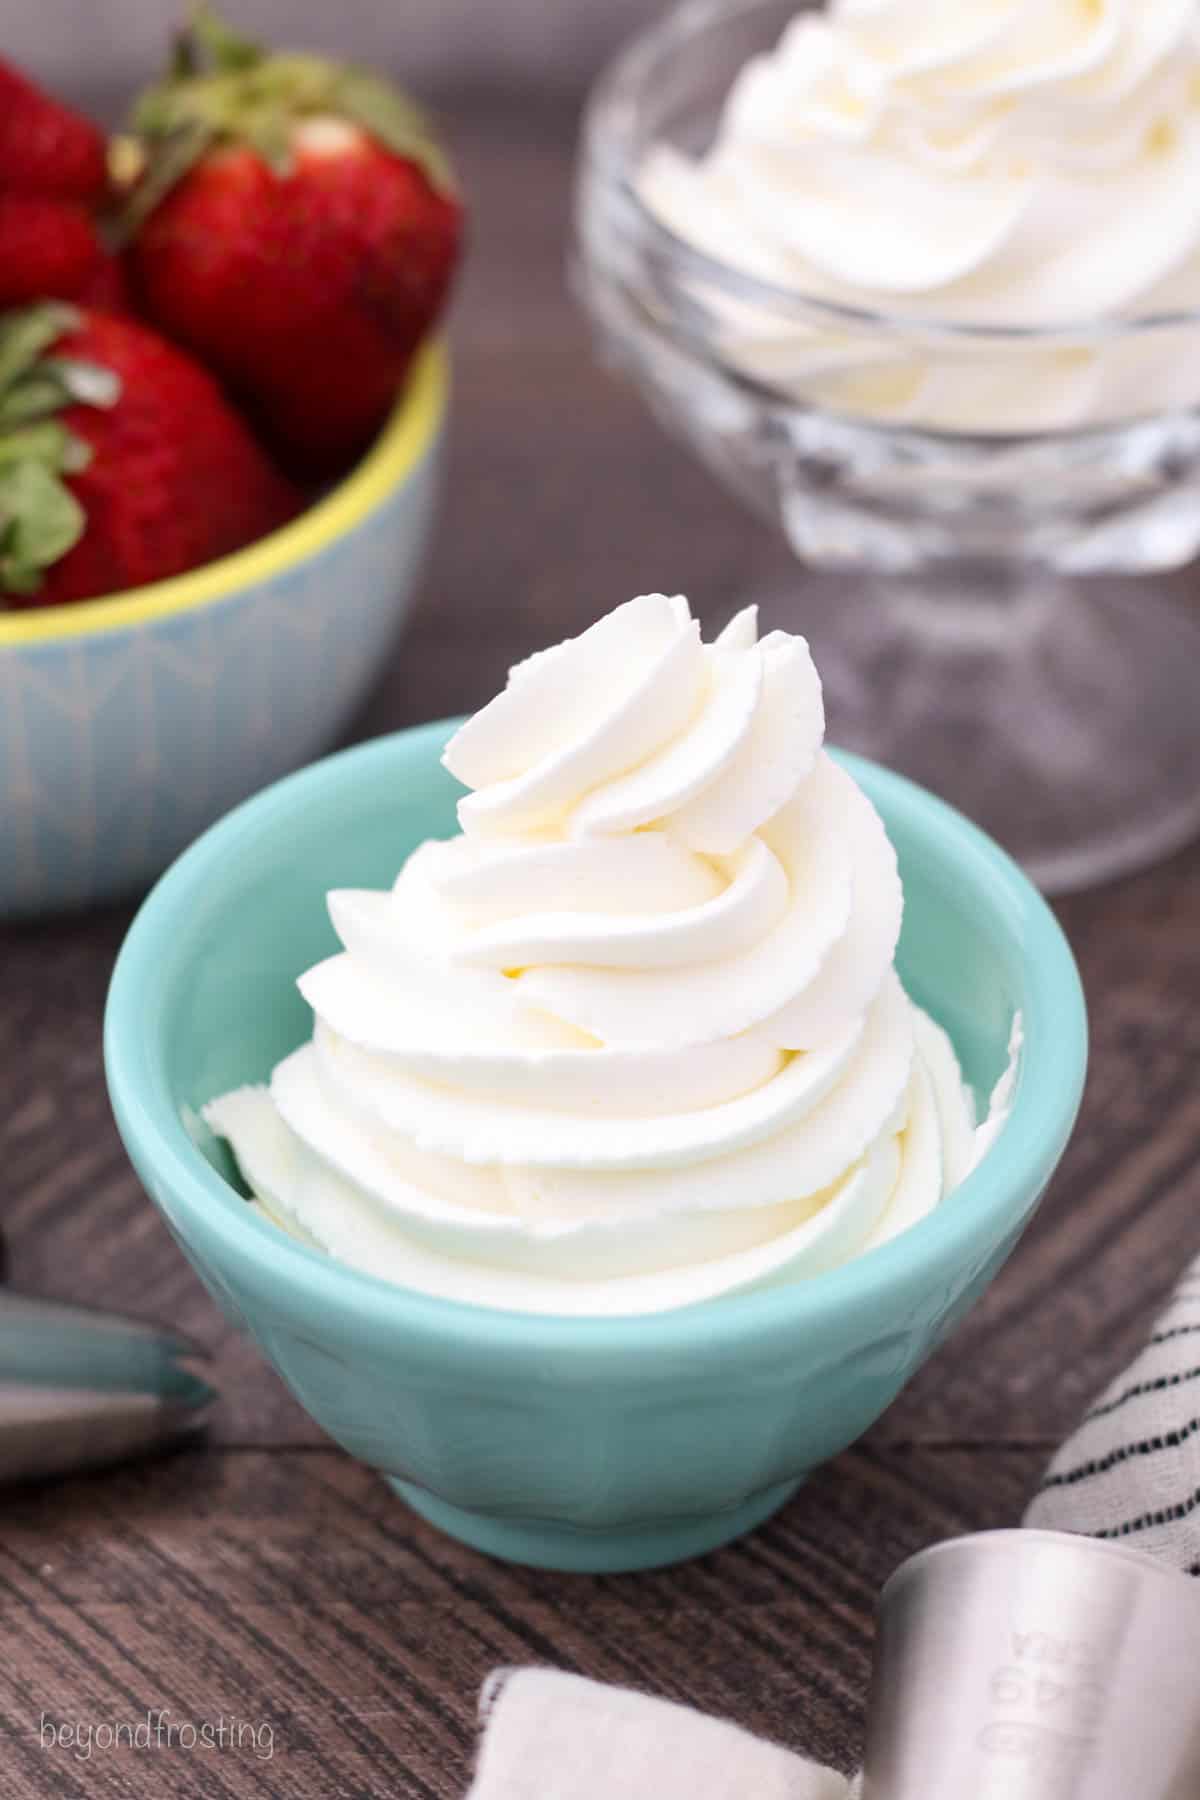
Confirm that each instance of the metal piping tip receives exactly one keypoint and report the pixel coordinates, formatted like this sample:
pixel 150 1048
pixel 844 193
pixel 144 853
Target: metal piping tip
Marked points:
pixel 79 1388
pixel 65 1322
pixel 1035 1665
pixel 57 1431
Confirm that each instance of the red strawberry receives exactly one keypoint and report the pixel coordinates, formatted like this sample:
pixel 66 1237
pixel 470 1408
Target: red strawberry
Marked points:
pixel 106 289
pixel 298 229
pixel 120 460
pixel 48 250
pixel 46 147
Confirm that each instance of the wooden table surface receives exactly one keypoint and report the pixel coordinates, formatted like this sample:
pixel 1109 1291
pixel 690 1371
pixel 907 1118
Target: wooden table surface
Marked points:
pixel 266 1579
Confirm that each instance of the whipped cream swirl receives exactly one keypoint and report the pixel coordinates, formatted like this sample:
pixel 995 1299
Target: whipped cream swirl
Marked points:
pixel 1002 163
pixel 634 1038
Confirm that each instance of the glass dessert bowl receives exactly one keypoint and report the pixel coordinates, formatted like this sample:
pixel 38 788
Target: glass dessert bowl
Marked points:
pixel 971 498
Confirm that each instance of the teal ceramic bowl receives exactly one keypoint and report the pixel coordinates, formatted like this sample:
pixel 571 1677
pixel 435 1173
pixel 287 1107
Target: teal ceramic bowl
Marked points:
pixel 570 1443
pixel 128 724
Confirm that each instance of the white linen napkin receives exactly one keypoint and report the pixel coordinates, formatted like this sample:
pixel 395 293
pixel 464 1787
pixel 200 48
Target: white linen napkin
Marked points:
pixel 1129 1473
pixel 552 1736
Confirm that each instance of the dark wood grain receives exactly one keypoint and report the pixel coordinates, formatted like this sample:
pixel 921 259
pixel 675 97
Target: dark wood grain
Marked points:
pixel 268 1579
pixel 290 1591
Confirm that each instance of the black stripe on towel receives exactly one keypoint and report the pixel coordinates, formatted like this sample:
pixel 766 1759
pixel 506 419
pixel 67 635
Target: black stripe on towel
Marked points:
pixel 1166 1515
pixel 1100 1465
pixel 1176 1331
pixel 1138 1389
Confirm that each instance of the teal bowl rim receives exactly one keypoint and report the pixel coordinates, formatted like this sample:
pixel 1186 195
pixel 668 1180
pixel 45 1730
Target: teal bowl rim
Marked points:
pixel 992 1201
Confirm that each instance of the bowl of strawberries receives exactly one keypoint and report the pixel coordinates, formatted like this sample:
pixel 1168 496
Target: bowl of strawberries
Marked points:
pixel 222 395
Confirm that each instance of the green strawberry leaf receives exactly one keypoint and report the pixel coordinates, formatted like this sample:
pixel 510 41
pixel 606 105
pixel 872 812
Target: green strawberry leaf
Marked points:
pixel 46 443
pixel 227 49
pixel 24 335
pixel 268 131
pixel 183 61
pixel 225 89
pixel 34 387
pixel 36 396
pixel 177 150
pixel 393 120
pixel 40 520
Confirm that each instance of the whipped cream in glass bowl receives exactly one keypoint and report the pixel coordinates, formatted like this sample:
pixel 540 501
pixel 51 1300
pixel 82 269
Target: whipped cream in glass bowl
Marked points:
pixel 921 279
pixel 634 1038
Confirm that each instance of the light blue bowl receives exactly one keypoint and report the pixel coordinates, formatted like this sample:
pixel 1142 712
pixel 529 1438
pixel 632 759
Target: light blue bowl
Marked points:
pixel 571 1443
pixel 129 724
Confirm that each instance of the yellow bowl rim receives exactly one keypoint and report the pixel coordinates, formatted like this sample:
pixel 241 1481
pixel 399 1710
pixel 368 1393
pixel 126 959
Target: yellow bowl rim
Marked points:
pixel 391 459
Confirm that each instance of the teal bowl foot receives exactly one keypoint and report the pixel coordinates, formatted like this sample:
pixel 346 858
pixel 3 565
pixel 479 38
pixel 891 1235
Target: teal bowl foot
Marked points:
pixel 607 1550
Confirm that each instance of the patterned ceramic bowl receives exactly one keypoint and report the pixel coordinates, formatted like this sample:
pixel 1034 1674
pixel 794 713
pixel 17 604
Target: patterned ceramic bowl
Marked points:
pixel 128 724
pixel 574 1443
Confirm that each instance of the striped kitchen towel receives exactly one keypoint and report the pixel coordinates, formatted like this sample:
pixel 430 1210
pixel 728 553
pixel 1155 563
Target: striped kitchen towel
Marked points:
pixel 1131 1471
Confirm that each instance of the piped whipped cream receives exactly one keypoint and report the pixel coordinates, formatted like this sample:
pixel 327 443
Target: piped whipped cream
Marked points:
pixel 1002 163
pixel 634 1038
